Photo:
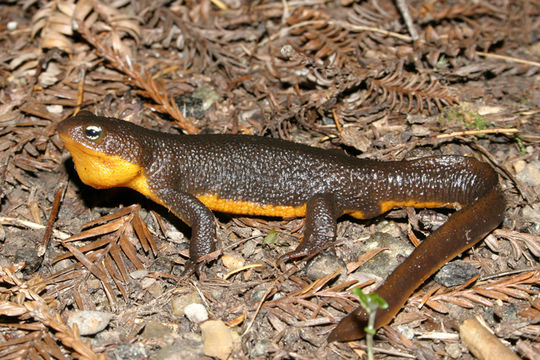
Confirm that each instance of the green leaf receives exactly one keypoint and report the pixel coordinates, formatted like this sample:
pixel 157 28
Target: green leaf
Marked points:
pixel 271 238
pixel 370 302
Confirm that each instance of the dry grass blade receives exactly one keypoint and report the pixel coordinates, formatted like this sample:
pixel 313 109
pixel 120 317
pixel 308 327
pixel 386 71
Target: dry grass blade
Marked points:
pixel 92 246
pixel 116 253
pixel 94 269
pixel 130 252
pixel 144 235
pixel 115 276
pixel 115 215
pixel 100 230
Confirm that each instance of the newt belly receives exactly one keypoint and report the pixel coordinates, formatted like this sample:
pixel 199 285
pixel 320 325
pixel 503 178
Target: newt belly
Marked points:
pixel 194 174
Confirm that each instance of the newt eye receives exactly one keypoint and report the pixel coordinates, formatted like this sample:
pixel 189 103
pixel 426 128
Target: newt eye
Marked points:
pixel 93 132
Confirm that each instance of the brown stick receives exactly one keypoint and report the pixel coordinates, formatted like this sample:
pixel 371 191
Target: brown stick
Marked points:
pixel 482 343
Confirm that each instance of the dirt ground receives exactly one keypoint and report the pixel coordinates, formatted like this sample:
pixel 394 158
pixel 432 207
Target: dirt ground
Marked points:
pixel 462 79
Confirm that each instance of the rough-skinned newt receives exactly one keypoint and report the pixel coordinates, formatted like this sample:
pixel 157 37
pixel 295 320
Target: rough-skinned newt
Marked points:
pixel 194 174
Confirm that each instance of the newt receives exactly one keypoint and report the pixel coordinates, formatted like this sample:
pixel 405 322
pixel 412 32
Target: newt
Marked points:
pixel 191 175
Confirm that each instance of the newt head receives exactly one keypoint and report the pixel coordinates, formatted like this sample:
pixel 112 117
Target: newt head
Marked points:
pixel 105 151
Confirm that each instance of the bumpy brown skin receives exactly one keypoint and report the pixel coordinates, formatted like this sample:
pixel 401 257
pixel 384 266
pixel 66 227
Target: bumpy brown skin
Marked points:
pixel 279 178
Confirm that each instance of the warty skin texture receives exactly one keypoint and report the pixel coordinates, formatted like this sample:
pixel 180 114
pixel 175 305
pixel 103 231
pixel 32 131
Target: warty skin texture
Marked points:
pixel 193 174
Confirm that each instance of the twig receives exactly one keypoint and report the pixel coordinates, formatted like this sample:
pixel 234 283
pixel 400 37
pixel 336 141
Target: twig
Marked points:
pixel 478 132
pixel 402 6
pixel 482 343
pixel 5 220
pixel 52 218
pixel 508 58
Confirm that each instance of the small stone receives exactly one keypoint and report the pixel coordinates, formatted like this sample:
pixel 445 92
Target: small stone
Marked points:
pixel 89 322
pixel 51 75
pixel 519 165
pixel 406 331
pixel 196 313
pixel 162 264
pixel 532 213
pixel 94 284
pixel 147 282
pixel 258 292
pixel 55 109
pixel 386 261
pixel 323 265
pixel 12 25
pixel 232 262
pixel 453 350
pixel 455 273
pixel 138 274
pixel 131 351
pixel 420 130
pixel 249 248
pixel 530 174
pixel 208 96
pixel 260 349
pixel 155 330
pixel 156 290
pixel 389 227
pixel 218 340
pixel 188 347
pixel 179 303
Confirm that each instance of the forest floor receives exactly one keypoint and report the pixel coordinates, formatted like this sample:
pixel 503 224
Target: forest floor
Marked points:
pixel 463 79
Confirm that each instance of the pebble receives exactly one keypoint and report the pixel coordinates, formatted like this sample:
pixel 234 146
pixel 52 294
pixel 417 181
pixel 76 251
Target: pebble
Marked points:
pixel 232 262
pixel 530 174
pixel 218 340
pixel 162 264
pixel 131 351
pixel 386 261
pixel 453 350
pixel 138 274
pixel 179 303
pixel 258 292
pixel 390 228
pixel 260 349
pixel 420 130
pixel 12 25
pixel 188 347
pixel 406 331
pixel 532 213
pixel 155 330
pixel 323 265
pixel 156 290
pixel 196 313
pixel 208 96
pixel 147 282
pixel 55 109
pixel 50 76
pixel 89 322
pixel 455 273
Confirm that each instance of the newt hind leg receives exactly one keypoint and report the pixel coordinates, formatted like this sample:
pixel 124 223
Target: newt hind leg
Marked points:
pixel 322 212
